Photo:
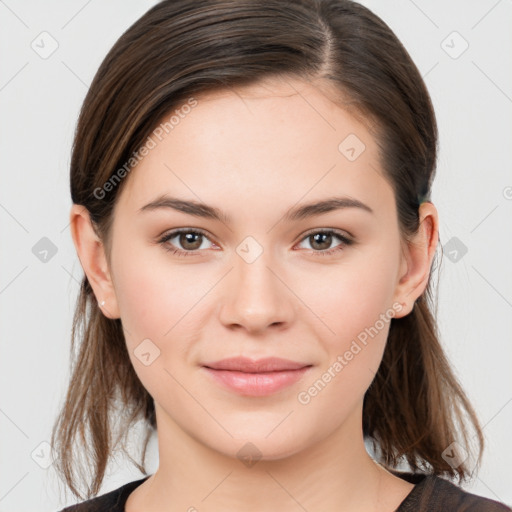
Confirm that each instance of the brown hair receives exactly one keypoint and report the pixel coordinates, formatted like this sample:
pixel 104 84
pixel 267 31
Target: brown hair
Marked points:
pixel 414 408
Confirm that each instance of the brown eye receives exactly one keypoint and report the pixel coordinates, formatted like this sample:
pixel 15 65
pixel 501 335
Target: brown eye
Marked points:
pixel 321 242
pixel 184 242
pixel 190 240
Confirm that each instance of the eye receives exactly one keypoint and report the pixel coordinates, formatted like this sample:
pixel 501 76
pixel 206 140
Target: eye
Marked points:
pixel 321 240
pixel 190 239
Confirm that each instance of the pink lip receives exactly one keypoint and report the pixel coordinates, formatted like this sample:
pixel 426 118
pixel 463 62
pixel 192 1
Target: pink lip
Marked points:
pixel 256 378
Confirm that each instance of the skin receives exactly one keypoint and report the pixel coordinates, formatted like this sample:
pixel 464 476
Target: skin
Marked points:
pixel 256 152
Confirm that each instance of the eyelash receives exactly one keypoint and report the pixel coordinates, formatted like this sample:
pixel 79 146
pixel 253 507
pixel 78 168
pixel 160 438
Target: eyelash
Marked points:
pixel 178 252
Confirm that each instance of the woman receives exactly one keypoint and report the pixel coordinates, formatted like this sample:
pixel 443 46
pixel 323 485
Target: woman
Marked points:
pixel 251 185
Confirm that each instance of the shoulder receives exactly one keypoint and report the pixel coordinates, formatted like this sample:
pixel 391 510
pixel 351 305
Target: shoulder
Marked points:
pixel 433 493
pixel 113 501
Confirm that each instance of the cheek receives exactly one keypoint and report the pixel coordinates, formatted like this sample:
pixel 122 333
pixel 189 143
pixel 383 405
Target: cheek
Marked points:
pixel 162 308
pixel 351 296
pixel 360 317
pixel 353 301
pixel 155 296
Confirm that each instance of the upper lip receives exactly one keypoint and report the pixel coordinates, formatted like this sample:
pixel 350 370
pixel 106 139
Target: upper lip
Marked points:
pixel 244 364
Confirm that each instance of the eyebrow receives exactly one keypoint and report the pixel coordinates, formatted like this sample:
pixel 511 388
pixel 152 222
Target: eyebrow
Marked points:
pixel 298 213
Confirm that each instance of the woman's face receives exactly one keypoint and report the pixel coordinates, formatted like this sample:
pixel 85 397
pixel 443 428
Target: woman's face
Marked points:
pixel 259 281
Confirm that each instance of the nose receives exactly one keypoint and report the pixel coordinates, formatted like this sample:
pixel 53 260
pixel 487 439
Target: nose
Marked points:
pixel 256 297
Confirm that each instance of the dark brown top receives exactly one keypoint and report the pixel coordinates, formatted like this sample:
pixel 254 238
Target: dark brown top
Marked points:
pixel 434 494
pixel 430 494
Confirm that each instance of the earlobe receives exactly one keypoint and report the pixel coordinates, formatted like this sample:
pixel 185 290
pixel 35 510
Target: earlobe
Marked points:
pixel 91 254
pixel 417 260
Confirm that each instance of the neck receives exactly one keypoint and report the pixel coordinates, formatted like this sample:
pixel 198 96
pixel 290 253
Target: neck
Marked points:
pixel 194 477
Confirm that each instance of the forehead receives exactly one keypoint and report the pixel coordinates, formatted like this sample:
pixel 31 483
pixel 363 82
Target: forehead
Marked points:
pixel 275 139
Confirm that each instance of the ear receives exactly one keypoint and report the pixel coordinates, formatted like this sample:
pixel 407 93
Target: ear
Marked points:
pixel 417 257
pixel 93 259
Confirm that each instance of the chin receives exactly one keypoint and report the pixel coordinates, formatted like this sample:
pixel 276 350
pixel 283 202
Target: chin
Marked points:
pixel 257 445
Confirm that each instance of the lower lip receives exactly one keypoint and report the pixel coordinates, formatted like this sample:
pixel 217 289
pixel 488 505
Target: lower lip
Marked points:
pixel 257 384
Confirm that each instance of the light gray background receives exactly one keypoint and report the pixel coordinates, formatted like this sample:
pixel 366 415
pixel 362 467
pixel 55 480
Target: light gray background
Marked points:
pixel 39 101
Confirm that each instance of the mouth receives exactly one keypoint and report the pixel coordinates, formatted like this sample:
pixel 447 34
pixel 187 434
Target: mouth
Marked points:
pixel 256 378
pixel 246 365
